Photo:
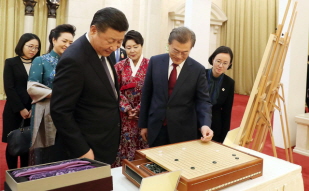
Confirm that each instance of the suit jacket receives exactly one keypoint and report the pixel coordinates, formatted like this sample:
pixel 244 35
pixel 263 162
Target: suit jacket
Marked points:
pixel 84 108
pixel 121 52
pixel 15 80
pixel 188 107
pixel 222 110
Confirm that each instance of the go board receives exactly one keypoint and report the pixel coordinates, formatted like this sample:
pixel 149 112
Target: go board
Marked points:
pixel 204 166
pixel 196 158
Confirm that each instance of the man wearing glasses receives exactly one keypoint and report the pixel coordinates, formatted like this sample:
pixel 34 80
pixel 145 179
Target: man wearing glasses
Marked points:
pixel 175 103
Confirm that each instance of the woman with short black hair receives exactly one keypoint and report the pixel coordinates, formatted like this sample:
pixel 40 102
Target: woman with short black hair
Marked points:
pixel 221 91
pixel 18 102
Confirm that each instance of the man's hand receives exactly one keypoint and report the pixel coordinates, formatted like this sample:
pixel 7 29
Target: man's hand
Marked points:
pixel 144 133
pixel 88 155
pixel 207 134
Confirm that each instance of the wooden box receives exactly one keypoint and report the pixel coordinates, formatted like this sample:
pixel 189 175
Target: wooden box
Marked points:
pixel 205 166
pixel 98 178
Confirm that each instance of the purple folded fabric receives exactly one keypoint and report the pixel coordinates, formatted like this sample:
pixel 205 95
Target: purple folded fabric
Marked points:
pixel 59 172
pixel 46 168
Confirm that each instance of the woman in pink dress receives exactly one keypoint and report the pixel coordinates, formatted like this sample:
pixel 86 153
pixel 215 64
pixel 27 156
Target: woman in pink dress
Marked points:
pixel 131 73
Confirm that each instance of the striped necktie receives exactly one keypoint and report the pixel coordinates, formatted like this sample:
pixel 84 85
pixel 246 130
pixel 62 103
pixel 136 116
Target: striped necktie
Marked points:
pixel 109 75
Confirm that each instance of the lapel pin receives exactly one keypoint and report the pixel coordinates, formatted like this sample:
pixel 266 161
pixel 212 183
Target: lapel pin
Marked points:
pixel 223 89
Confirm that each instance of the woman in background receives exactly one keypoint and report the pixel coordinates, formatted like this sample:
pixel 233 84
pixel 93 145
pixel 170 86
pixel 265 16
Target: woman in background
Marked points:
pixel 221 91
pixel 45 146
pixel 131 73
pixel 18 102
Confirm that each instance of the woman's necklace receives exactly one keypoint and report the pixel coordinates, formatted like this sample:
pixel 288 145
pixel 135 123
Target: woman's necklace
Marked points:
pixel 26 61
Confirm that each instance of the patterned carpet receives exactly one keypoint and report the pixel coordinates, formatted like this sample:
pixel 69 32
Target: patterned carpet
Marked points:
pixel 239 106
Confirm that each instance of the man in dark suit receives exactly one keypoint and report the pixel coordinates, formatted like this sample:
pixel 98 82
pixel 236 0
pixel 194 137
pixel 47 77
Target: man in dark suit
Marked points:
pixel 118 55
pixel 85 100
pixel 175 102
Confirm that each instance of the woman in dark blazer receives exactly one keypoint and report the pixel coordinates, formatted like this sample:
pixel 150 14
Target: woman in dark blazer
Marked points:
pixel 221 91
pixel 18 102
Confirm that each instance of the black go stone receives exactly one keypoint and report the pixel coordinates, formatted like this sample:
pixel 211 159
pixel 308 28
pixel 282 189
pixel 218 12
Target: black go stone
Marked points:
pixel 155 168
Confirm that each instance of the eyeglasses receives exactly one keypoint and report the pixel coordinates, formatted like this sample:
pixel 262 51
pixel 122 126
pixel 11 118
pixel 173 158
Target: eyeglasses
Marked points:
pixel 31 47
pixel 177 52
pixel 219 62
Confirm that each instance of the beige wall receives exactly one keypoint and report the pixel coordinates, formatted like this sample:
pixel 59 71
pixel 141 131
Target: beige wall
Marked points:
pixel 142 15
pixel 80 13
pixel 149 17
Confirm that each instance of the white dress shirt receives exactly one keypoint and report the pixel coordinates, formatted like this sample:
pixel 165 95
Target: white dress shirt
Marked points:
pixel 170 68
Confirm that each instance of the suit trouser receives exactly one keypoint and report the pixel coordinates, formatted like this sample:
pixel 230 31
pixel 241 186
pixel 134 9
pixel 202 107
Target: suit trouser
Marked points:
pixel 162 138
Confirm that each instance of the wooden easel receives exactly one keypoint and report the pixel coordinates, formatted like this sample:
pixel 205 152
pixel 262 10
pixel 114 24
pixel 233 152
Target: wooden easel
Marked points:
pixel 256 123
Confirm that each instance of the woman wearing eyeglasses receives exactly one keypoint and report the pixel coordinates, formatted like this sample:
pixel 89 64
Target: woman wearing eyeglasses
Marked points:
pixel 18 102
pixel 221 91
pixel 44 145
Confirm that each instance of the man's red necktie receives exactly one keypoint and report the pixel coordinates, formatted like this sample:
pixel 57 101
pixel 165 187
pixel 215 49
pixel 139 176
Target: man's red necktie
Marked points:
pixel 172 80
pixel 171 84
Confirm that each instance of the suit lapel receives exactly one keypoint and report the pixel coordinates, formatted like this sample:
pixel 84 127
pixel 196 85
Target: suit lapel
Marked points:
pixel 96 64
pixel 164 75
pixel 20 66
pixel 181 77
pixel 223 90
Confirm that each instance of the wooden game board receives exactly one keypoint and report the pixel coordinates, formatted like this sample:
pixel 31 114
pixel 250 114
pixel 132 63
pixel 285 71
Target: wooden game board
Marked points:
pixel 205 166
pixel 196 158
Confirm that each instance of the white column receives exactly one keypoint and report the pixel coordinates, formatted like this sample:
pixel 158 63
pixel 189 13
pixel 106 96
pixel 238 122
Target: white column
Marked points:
pixel 154 29
pixel 197 18
pixel 295 71
pixel 51 24
pixel 28 24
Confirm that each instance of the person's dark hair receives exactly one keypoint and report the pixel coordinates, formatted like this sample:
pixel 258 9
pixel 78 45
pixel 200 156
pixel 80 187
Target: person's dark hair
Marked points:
pixel 182 35
pixel 133 35
pixel 56 32
pixel 221 49
pixel 110 17
pixel 23 40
